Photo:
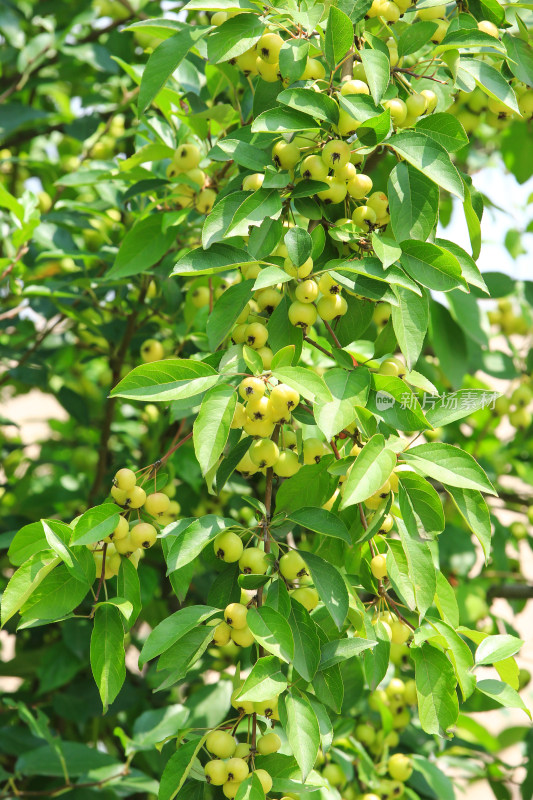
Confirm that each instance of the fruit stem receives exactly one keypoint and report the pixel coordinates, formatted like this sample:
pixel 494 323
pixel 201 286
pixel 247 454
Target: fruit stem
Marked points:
pixel 100 582
pixel 175 447
pixel 332 334
pixel 318 346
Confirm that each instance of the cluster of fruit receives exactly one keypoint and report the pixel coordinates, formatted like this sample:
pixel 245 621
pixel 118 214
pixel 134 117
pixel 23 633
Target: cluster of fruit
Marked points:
pixel 192 189
pixel 504 317
pixel 232 760
pixel 130 540
pixel 475 108
pixel 517 406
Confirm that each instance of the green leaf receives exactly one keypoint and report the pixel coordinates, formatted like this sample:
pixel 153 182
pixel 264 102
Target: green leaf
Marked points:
pixel 190 540
pixel 219 258
pixel 424 500
pixel 311 486
pixel 430 265
pixel 301 726
pixel 339 36
pixel 410 319
pixel 449 465
pixel 474 510
pixel 227 308
pixel 439 783
pixel 281 334
pixel 95 524
pixel 25 581
pixel 468 39
pixel 250 789
pixel 171 379
pixel 306 641
pixel 330 586
pixel 107 653
pixel 257 206
pixel 30 540
pixel 369 472
pixel 244 154
pixel 142 246
pixel 164 60
pixel 438 707
pixel 128 586
pixel 339 650
pixel 154 726
pixel 218 221
pixel 298 243
pixel 490 81
pixel 263 240
pixel 446 601
pixel 178 767
pixel 307 383
pixel 415 36
pixel 394 402
pixel 444 129
pixel 413 203
pixel 173 628
pixel 270 276
pixel 293 58
pixel 496 648
pixel 265 681
pixel 457 651
pixel 348 389
pixel 56 595
pixel 282 120
pixel 503 694
pixel 319 106
pixel 234 37
pixel 420 567
pixel 321 521
pixel 377 70
pixel 430 158
pixel 519 58
pixel 457 405
pixel 272 632
pixel 468 266
pixel 386 249
pixel 212 425
pixel 473 222
pixel 52 531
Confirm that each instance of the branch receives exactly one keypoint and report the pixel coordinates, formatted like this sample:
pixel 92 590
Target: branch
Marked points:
pixel 511 591
pixel 332 334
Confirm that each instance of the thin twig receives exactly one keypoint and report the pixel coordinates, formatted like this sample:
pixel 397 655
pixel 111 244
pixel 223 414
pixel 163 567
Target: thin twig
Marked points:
pixel 332 334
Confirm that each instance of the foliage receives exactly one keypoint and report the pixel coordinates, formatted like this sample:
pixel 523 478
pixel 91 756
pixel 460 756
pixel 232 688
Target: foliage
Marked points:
pixel 221 258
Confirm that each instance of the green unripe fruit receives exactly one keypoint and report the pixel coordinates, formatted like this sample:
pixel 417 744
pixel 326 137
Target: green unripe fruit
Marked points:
pixel 243 707
pixel 264 453
pixel 313 450
pixel 230 789
pixel 287 464
pixel 336 153
pixel 400 767
pixel 313 167
pixel 397 108
pixel 253 182
pixel 269 743
pixel 243 637
pixel 253 560
pixel 125 479
pixel 292 566
pixel 488 27
pixel 329 308
pixel 364 217
pixel 307 291
pixel 302 315
pixel 416 104
pixel 264 779
pixel 237 769
pixel 519 530
pixel 314 70
pixel 216 772
pixel 251 388
pixel 157 504
pixel 243 749
pixel 256 335
pixel 121 531
pixel 268 47
pixel 435 12
pixel 302 271
pixel 235 615
pixel 400 632
pixel 135 498
pixel 221 744
pixel 334 774
pixel 187 157
pixel 365 733
pixel 307 596
pixel 378 566
pixel 228 547
pixel 151 350
pixel 285 154
pixel 205 201
pixel 143 535
pixel 267 708
pixel 222 634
